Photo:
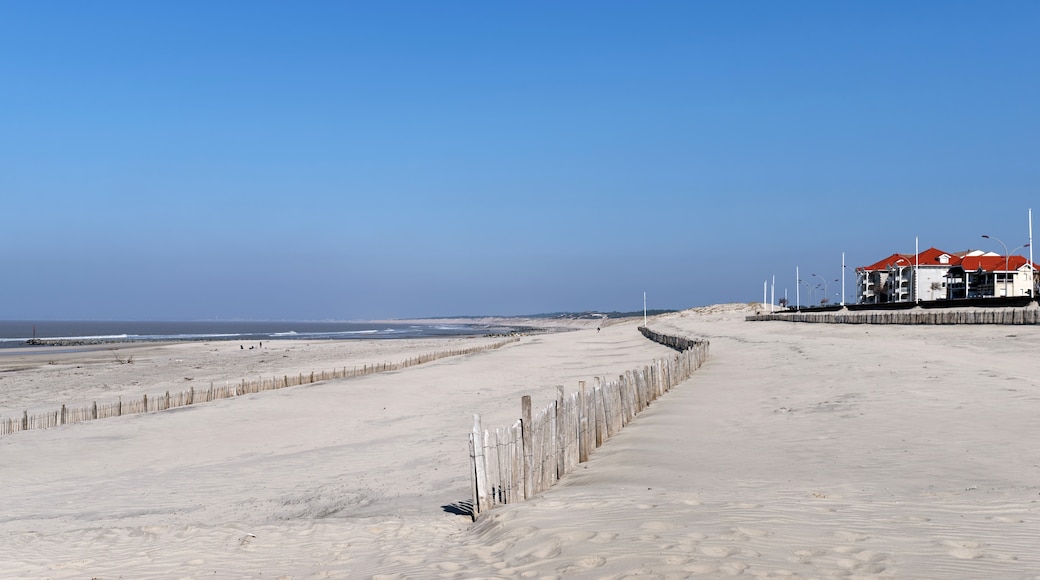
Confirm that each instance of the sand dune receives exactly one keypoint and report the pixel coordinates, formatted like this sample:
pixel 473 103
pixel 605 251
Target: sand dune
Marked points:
pixel 796 450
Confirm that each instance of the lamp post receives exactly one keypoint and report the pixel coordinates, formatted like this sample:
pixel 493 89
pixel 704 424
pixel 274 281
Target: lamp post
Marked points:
pixel 900 271
pixel 1006 267
pixel 1005 262
pixel 810 290
pixel 824 284
pixel 842 279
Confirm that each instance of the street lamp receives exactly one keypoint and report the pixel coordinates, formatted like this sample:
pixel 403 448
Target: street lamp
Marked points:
pixel 1005 260
pixel 824 284
pixel 1006 267
pixel 1007 256
pixel 900 272
pixel 810 290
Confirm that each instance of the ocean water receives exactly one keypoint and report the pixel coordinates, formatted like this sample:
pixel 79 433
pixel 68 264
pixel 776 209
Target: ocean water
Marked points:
pixel 15 333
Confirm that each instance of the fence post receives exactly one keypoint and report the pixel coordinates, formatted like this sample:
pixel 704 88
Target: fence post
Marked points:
pixel 561 434
pixel 526 427
pixel 480 464
pixel 583 424
pixel 474 509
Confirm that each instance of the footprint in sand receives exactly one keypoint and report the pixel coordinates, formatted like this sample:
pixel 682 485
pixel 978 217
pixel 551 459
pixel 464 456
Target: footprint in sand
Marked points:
pixel 869 556
pixel 810 553
pixel 603 538
pixel 576 536
pixel 850 536
pixel 1007 520
pixel 499 547
pixel 582 565
pixel 521 533
pixel 743 534
pixel 749 554
pixel 503 515
pixel 717 551
pixel 547 550
pixel 962 544
pixel 966 553
pixel 847 563
pixel 658 526
pixel 1005 557
pixel 702 568
pixel 733 568
pixel 964 550
pixel 753 532
pixel 805 556
pixel 589 562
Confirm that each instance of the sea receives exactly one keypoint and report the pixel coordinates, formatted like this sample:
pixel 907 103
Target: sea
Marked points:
pixel 20 333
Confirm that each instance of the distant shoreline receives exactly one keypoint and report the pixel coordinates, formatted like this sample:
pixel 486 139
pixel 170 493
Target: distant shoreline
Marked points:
pixel 14 334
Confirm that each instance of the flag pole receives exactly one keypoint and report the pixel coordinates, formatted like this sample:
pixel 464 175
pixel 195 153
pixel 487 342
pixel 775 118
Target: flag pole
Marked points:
pixel 1032 274
pixel 917 264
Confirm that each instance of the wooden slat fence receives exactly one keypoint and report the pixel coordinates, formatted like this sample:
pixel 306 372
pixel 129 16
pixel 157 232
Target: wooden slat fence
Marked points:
pixel 511 464
pixel 150 403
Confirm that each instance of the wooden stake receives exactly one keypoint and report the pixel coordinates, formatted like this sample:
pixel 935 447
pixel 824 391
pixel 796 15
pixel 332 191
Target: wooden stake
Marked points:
pixel 526 427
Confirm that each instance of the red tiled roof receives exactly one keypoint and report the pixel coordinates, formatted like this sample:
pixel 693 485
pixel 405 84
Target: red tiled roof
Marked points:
pixel 930 257
pixel 887 262
pixel 994 263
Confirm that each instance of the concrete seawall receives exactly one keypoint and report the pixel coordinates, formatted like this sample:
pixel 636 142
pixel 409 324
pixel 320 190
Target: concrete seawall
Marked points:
pixel 1025 315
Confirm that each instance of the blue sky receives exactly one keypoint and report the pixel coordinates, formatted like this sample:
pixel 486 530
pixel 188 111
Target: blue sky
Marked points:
pixel 350 160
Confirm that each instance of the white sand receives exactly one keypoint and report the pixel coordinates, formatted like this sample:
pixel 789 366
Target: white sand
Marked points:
pixel 806 450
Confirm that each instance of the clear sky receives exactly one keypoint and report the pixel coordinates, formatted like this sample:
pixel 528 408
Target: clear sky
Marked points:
pixel 353 160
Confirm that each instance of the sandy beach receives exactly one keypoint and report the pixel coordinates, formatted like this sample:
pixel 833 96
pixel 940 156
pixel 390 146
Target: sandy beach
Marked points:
pixel 802 450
